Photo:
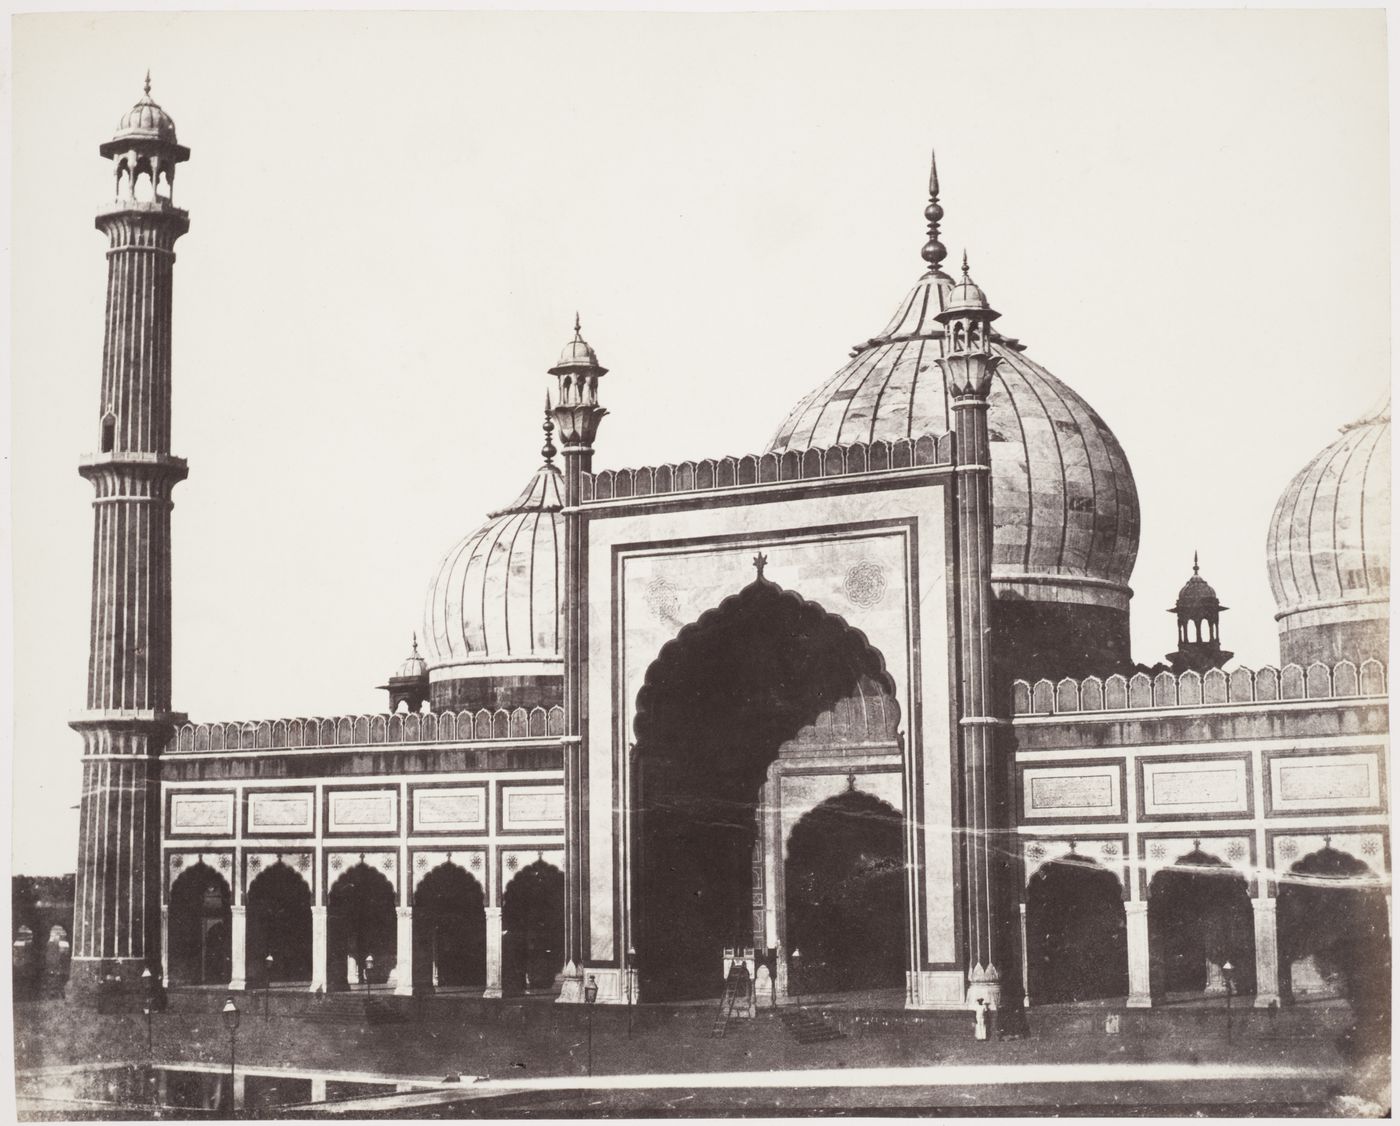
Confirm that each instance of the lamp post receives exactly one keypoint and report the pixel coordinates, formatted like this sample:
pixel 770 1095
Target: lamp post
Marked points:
pixel 794 980
pixel 267 985
pixel 369 967
pixel 231 1017
pixel 631 985
pixel 1228 972
pixel 590 997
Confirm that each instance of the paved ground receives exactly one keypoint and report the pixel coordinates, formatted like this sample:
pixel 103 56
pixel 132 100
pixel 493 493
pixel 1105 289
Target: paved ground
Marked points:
pixel 535 1060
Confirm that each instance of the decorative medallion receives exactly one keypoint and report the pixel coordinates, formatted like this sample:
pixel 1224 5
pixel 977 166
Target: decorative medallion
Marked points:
pixel 255 862
pixel 422 862
pixel 664 601
pixel 1110 848
pixel 1286 847
pixel 865 583
pixel 1035 851
pixel 1370 846
pixel 476 862
pixel 1158 850
pixel 511 863
pixel 1235 851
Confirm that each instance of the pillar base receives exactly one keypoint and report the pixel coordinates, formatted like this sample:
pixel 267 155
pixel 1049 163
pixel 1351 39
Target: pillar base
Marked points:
pixel 1267 1000
pixel 571 990
pixel 108 982
pixel 491 993
pixel 983 985
pixel 1139 1001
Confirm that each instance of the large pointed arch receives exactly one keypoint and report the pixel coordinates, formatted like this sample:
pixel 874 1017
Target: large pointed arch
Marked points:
pixel 449 929
pixel 279 924
pixel 360 921
pixel 200 927
pixel 715 707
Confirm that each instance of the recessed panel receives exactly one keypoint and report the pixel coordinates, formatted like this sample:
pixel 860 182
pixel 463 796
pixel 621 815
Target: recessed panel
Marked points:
pixel 202 815
pixel 532 807
pixel 362 811
pixel 1317 782
pixel 271 814
pixel 1072 792
pixel 1188 789
pixel 458 809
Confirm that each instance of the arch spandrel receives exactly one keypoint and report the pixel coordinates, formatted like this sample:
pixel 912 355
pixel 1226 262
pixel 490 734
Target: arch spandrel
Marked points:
pixel 339 863
pixel 256 864
pixel 1199 854
pixel 425 862
pixel 178 863
pixel 862 583
pixel 1109 854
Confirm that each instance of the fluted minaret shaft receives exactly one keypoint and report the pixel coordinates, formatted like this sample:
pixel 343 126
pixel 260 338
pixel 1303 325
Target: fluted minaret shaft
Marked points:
pixel 128 716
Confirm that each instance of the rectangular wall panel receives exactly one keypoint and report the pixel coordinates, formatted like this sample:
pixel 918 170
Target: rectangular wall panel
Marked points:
pixel 362 811
pixel 1079 792
pixel 527 808
pixel 272 814
pixel 460 809
pixel 1303 783
pixel 201 815
pixel 1199 788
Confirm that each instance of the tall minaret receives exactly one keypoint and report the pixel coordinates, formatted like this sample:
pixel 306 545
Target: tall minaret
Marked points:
pixel 128 717
pixel 968 369
pixel 577 414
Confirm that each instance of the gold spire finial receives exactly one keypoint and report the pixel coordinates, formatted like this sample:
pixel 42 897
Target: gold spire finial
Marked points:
pixel 934 251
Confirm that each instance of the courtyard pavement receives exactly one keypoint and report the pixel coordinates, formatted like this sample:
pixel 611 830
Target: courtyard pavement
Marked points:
pixel 532 1060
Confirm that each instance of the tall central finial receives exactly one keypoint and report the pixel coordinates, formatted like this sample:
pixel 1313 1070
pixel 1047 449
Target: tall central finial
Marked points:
pixel 934 251
pixel 578 325
pixel 965 277
pixel 148 82
pixel 1195 562
pixel 548 450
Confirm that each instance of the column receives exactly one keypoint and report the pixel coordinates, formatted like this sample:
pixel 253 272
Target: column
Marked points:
pixel 1025 962
pixel 318 1088
pixel 493 952
pixel 1139 959
pixel 404 960
pixel 165 945
pixel 318 950
pixel 239 952
pixel 1266 952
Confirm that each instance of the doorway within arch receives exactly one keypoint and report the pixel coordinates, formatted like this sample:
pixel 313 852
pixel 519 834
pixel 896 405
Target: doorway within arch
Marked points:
pixel 449 929
pixel 717 704
pixel 1334 933
pixel 532 922
pixel 844 895
pixel 1200 919
pixel 200 935
pixel 360 922
pixel 1076 933
pixel 279 923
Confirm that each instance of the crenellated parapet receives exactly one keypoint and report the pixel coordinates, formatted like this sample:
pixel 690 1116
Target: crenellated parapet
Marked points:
pixel 500 725
pixel 1143 692
pixel 769 468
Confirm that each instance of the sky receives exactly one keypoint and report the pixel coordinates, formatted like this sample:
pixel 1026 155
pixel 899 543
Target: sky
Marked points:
pixel 1182 214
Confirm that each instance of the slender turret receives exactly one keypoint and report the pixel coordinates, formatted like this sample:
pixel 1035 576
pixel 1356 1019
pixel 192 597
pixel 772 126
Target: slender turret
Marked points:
pixel 128 716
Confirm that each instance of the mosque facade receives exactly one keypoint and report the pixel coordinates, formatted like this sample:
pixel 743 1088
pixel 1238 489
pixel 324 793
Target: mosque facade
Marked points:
pixel 857 711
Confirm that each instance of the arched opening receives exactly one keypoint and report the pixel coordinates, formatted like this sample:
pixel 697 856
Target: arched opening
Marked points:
pixel 532 923
pixel 1200 919
pixel 109 433
pixel 1076 933
pixel 449 930
pixel 279 923
pixel 200 938
pixel 1334 934
pixel 844 896
pixel 717 704
pixel 360 922
pixel 143 186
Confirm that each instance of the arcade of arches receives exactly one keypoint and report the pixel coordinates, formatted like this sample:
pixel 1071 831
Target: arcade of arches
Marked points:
pixel 458 942
pixel 718 706
pixel 1330 923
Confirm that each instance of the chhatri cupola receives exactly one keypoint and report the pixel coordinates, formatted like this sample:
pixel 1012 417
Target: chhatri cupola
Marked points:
pixel 1329 549
pixel 1197 613
pixel 1064 504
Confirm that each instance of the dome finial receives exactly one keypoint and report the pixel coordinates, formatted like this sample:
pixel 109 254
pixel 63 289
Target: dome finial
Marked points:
pixel 148 82
pixel 578 326
pixel 548 450
pixel 965 277
pixel 934 251
pixel 415 643
pixel 1195 562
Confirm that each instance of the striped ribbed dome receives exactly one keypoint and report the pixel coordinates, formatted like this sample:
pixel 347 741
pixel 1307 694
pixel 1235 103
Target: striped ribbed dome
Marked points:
pixel 496 595
pixel 1329 539
pixel 1063 496
pixel 146 121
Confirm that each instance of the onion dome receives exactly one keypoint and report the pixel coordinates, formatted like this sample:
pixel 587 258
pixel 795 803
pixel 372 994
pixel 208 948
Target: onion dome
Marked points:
pixel 1064 502
pixel 413 665
pixel 577 353
pixel 409 684
pixel 493 607
pixel 1329 548
pixel 146 121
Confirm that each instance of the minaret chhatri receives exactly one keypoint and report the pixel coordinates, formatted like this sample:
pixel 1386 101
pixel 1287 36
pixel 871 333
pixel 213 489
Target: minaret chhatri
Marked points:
pixel 128 716
pixel 578 415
